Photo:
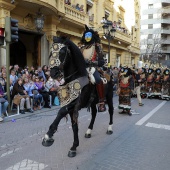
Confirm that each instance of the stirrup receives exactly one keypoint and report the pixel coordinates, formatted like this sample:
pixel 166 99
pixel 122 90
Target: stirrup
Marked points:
pixel 101 107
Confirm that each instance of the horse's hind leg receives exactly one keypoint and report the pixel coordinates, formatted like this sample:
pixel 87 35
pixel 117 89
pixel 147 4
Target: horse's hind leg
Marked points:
pixel 72 152
pixel 109 99
pixel 93 117
pixel 48 138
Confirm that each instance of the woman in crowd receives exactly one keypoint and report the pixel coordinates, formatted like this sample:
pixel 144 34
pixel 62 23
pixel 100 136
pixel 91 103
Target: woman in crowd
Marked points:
pixel 3 103
pixel 13 77
pixel 45 69
pixel 3 69
pixel 32 71
pixel 32 91
pixel 3 81
pixel 42 91
pixel 41 73
pixel 51 87
pixel 20 96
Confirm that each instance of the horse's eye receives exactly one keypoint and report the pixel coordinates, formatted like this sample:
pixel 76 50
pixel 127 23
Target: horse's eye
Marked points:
pixel 62 51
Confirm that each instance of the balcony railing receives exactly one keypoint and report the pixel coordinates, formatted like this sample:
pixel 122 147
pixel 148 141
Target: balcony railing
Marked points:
pixel 124 37
pixel 153 21
pixel 75 15
pixel 165 41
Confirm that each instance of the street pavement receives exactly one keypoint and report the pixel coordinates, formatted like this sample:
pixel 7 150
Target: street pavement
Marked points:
pixel 138 142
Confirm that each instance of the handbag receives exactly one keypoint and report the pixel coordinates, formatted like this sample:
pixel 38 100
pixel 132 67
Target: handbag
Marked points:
pixel 2 100
pixel 56 101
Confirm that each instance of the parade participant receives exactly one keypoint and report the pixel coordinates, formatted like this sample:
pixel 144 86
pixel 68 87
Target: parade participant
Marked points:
pixel 143 83
pixel 124 90
pixel 93 55
pixel 166 84
pixel 138 83
pixel 149 82
pixel 157 85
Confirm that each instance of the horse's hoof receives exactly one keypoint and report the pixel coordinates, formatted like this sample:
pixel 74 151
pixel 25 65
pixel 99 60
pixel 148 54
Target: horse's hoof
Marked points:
pixel 47 141
pixel 129 113
pixel 109 132
pixel 87 135
pixel 71 153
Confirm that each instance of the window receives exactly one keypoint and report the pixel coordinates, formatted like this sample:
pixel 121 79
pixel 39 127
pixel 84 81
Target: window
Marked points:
pixel 150 26
pixel 150 16
pixel 150 6
pixel 150 36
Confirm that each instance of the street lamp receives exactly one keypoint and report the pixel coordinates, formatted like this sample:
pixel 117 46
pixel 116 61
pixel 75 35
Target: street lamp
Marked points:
pixel 39 21
pixel 109 34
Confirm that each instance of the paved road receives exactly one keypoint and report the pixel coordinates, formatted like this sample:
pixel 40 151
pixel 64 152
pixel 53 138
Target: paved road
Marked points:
pixel 140 141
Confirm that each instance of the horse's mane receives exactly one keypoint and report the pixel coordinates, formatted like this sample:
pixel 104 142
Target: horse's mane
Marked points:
pixel 77 56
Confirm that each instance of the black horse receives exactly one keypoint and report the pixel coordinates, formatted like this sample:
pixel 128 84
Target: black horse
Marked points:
pixel 76 92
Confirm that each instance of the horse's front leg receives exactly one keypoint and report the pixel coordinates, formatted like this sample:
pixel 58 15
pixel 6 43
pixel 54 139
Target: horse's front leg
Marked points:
pixel 93 117
pixel 48 138
pixel 72 152
pixel 109 99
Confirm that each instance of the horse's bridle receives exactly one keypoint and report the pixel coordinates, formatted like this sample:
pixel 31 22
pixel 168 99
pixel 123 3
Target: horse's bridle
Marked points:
pixel 54 59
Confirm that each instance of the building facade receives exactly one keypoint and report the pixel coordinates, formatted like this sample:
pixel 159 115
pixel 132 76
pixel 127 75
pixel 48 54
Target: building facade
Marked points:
pixel 155 31
pixel 69 17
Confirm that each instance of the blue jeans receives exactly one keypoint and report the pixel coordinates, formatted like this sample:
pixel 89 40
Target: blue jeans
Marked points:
pixel 97 77
pixel 37 99
pixel 3 107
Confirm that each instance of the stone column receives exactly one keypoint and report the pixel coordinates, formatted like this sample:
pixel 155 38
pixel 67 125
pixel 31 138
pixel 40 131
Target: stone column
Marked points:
pixel 44 50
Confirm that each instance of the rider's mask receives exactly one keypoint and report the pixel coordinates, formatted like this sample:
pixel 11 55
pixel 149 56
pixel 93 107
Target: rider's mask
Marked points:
pixel 88 36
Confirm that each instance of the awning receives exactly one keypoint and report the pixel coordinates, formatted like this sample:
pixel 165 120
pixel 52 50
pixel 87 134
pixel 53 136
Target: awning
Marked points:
pixel 107 12
pixel 90 3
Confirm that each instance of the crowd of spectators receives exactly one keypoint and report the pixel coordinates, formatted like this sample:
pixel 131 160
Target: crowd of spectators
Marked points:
pixel 76 6
pixel 27 84
pixel 117 26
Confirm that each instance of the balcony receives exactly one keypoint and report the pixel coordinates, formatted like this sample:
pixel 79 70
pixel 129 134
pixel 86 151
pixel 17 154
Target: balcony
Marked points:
pixel 151 11
pixel 158 1
pixel 76 16
pixel 163 30
pixel 165 51
pixel 155 20
pixel 123 37
pixel 165 41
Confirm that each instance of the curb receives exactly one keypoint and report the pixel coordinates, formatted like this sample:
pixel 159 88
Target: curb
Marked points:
pixel 14 117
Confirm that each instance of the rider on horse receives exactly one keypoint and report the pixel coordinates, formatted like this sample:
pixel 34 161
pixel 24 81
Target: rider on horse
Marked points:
pixel 93 55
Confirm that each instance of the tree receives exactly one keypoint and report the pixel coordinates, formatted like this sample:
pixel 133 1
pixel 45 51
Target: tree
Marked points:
pixel 151 47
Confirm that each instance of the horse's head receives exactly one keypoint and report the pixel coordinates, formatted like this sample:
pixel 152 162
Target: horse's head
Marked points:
pixel 58 57
pixel 66 59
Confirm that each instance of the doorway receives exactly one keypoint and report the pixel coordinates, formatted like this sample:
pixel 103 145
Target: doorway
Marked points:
pixel 27 51
pixel 18 54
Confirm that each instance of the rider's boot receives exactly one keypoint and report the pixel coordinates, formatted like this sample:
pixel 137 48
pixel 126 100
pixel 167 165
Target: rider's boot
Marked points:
pixel 101 95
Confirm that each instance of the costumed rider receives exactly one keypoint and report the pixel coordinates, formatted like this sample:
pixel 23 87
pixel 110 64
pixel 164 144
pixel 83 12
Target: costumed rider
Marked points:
pixel 93 56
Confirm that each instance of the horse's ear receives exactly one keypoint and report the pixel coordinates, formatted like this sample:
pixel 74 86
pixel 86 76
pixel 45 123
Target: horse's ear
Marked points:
pixel 86 27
